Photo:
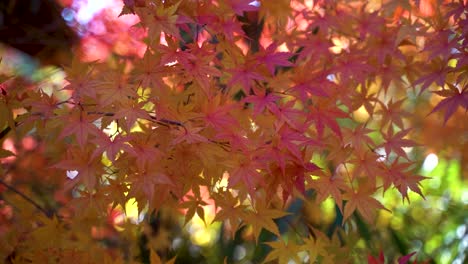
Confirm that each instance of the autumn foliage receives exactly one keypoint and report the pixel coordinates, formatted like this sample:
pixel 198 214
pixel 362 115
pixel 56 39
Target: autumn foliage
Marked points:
pixel 232 111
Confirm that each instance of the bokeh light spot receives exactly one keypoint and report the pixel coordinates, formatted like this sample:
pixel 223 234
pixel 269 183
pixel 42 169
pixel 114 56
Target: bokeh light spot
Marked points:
pixel 430 163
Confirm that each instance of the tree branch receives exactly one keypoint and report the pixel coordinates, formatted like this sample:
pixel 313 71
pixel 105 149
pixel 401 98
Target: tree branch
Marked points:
pixel 25 197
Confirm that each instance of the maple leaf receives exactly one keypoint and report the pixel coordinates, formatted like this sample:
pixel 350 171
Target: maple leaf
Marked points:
pixel 369 23
pixel 330 186
pixel 246 171
pixel 261 100
pixel 115 88
pixel 380 260
pixel 145 182
pixel 307 83
pixel 453 98
pixel 42 106
pixel 171 52
pixel 159 18
pixel 287 138
pixel 112 147
pixel 283 252
pixel 145 149
pixel 339 153
pixel 390 75
pixel 442 45
pixel 231 27
pixel 287 113
pixel 358 138
pixel 271 59
pixel 79 76
pixel 315 247
pixel 323 114
pixel 367 166
pixel 393 112
pixel 193 205
pixel 385 44
pixel 262 218
pixel 209 106
pixel 149 71
pixel 217 114
pixel 315 47
pixel 439 70
pixel 405 259
pixel 353 67
pixel 189 134
pixel 50 232
pixel 231 209
pixel 398 174
pixel 409 181
pixel 237 140
pixel 197 64
pixel 363 97
pixel 322 245
pixel 396 142
pixel 79 124
pixel 361 201
pixel 80 159
pixel 245 74
pixel 131 112
pixel 270 152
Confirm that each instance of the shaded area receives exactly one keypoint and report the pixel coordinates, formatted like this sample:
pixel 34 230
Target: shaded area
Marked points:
pixel 37 28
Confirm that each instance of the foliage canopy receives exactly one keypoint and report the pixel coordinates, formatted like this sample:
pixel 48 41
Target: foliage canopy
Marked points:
pixel 234 111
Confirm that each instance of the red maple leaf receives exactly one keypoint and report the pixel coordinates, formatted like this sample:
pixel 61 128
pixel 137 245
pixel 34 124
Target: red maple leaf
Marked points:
pixel 245 74
pixel 393 112
pixel 381 259
pixel 399 174
pixel 396 142
pixel 325 114
pixel 438 73
pixel 286 113
pixel 307 83
pixel 246 171
pixel 261 100
pixel 453 99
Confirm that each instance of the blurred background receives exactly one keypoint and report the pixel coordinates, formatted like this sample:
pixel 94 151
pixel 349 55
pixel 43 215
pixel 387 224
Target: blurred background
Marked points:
pixel 40 37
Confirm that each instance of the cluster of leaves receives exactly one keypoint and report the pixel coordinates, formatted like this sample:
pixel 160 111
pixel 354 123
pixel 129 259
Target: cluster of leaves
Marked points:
pixel 310 105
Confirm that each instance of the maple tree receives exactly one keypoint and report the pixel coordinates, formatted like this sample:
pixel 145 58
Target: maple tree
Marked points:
pixel 237 109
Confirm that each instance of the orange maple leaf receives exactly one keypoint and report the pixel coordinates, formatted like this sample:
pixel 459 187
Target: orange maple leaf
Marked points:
pixel 362 201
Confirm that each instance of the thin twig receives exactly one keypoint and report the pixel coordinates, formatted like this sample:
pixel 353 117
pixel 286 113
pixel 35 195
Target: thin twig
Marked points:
pixel 24 196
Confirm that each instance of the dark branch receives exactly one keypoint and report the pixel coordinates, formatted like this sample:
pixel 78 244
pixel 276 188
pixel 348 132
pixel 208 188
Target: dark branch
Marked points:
pixel 25 197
